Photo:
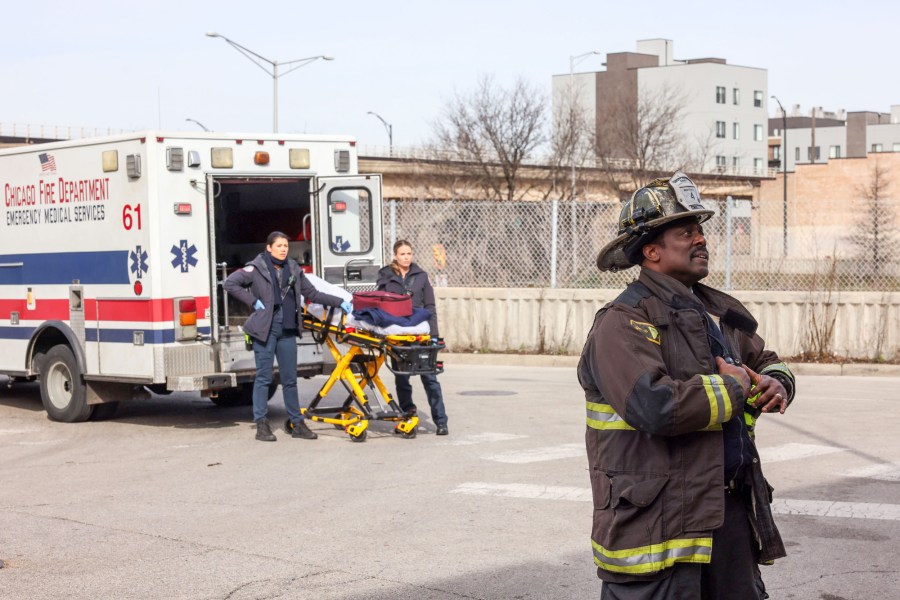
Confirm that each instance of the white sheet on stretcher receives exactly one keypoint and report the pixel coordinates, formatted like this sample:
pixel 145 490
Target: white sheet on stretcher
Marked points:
pixel 421 329
pixel 321 311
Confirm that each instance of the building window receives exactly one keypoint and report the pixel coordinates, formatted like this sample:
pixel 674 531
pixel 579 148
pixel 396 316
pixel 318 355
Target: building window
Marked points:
pixel 758 98
pixel 720 129
pixel 776 152
pixel 757 166
pixel 877 148
pixel 757 133
pixel 720 164
pixel 736 96
pixel 736 130
pixel 896 147
pixel 736 162
pixel 720 94
pixel 797 154
pixel 834 152
pixel 813 154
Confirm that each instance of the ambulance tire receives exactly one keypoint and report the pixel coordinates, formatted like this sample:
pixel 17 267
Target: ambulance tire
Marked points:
pixel 63 391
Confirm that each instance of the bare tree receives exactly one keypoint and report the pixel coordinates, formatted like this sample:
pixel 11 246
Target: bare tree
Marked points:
pixel 875 223
pixel 492 132
pixel 639 135
pixel 570 145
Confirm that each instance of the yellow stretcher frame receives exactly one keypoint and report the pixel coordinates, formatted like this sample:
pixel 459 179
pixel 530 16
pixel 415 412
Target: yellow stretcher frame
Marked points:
pixel 359 366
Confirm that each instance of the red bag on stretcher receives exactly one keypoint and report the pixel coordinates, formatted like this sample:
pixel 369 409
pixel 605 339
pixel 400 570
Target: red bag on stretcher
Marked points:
pixel 399 305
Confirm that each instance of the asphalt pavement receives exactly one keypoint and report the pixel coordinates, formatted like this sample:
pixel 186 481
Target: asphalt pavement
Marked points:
pixel 174 498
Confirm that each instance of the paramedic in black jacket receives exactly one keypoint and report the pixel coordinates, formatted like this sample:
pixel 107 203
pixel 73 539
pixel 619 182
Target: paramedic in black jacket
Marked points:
pixel 272 285
pixel 403 276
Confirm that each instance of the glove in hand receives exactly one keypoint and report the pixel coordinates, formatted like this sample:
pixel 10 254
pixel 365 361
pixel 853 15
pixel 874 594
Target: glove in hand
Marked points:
pixel 258 305
pixel 347 306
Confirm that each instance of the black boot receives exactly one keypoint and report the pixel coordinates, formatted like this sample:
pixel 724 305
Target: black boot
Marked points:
pixel 442 430
pixel 300 430
pixel 264 432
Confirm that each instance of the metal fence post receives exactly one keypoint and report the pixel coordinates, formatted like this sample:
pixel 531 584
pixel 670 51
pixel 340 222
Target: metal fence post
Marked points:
pixel 392 233
pixel 554 236
pixel 728 242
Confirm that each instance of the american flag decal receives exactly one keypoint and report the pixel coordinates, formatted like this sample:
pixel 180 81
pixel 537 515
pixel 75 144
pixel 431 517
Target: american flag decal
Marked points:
pixel 48 163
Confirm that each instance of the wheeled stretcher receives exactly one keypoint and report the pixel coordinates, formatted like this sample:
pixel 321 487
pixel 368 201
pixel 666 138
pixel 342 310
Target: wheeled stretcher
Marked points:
pixel 358 368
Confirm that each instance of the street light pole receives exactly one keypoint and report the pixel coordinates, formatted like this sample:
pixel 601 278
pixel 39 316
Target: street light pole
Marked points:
pixel 274 64
pixel 390 131
pixel 574 60
pixel 202 126
pixel 784 158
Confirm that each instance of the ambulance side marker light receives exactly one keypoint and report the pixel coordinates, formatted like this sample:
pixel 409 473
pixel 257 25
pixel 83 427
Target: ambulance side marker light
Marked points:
pixel 261 158
pixel 183 208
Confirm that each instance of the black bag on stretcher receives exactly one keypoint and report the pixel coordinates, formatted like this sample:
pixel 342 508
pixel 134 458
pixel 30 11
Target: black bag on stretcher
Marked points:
pixel 399 305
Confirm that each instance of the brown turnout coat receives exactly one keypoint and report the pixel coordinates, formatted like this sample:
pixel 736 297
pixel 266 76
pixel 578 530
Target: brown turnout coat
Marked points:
pixel 655 407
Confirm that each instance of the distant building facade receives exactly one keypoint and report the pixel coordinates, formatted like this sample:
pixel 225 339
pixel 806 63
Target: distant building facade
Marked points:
pixel 723 108
pixel 823 136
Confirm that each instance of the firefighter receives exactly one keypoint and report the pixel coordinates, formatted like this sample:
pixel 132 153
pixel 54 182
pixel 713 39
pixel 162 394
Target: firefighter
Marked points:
pixel 674 375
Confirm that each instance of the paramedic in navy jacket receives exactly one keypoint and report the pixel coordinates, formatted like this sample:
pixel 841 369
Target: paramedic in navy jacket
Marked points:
pixel 403 276
pixel 272 285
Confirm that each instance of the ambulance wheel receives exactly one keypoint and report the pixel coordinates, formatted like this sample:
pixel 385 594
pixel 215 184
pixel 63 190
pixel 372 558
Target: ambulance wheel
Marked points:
pixel 359 438
pixel 63 392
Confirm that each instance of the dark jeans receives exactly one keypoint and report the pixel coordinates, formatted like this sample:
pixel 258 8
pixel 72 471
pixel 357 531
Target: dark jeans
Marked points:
pixel 281 345
pixel 731 575
pixel 432 392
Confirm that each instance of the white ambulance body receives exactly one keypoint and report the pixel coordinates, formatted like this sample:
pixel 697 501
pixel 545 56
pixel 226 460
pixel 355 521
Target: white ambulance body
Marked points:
pixel 113 251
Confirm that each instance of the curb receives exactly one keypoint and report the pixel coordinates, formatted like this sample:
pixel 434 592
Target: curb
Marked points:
pixel 554 360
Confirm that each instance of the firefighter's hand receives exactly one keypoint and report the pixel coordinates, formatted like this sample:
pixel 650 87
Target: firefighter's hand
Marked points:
pixel 258 305
pixel 769 394
pixel 738 373
pixel 347 306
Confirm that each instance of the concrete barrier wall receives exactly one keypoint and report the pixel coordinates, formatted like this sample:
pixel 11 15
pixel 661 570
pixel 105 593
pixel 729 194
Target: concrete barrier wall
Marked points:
pixel 864 325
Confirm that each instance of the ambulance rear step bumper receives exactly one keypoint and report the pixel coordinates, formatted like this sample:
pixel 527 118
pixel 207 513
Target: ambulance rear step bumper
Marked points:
pixel 195 383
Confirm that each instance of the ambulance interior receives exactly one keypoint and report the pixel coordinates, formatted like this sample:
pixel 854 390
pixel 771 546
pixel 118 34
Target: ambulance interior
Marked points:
pixel 245 212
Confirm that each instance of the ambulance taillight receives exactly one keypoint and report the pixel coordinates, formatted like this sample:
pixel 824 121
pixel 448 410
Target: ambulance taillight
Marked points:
pixel 185 319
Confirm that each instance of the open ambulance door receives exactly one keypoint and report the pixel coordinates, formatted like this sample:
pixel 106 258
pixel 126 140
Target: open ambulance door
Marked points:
pixel 350 241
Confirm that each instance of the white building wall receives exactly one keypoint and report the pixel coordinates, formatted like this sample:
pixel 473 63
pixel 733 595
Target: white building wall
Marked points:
pixel 801 139
pixel 886 134
pixel 697 83
pixel 582 85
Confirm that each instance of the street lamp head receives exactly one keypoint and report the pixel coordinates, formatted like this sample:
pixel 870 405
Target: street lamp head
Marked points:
pixel 327 57
pixel 212 34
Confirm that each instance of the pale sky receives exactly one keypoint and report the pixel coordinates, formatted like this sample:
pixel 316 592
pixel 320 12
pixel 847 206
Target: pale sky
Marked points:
pixel 149 64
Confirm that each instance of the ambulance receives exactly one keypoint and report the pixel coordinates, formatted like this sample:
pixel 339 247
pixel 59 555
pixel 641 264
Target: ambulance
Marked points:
pixel 113 252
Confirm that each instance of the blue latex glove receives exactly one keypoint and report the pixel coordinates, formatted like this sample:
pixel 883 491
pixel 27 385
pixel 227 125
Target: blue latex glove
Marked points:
pixel 258 305
pixel 347 306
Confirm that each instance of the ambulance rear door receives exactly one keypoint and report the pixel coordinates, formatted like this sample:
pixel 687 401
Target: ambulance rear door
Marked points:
pixel 350 240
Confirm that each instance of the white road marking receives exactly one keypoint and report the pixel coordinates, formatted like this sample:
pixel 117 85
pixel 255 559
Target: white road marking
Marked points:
pixel 794 451
pixel 885 472
pixel 781 506
pixel 846 510
pixel 524 490
pixel 533 455
pixel 484 438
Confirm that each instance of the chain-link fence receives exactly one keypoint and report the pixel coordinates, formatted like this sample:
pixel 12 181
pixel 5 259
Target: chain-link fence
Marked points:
pixel 841 245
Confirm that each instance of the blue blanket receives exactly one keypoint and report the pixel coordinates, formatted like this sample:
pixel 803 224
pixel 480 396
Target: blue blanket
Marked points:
pixel 378 317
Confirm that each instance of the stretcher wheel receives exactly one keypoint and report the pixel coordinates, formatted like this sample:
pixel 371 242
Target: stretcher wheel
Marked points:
pixel 359 438
pixel 408 435
pixel 288 426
